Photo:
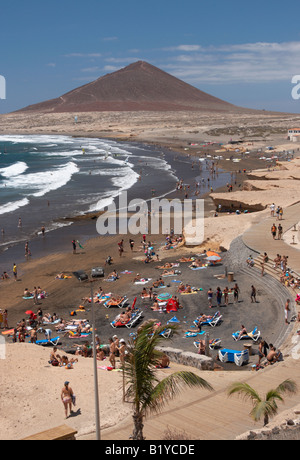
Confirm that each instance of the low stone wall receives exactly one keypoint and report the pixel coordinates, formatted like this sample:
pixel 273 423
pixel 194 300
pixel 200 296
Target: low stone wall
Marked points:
pixel 290 430
pixel 187 358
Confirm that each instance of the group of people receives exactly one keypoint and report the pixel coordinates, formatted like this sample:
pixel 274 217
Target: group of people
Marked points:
pixel 37 294
pixel 223 295
pixel 276 211
pixel 276 230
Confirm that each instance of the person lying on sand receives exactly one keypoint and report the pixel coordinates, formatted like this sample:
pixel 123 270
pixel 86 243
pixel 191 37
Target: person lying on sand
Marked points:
pixel 196 263
pixel 170 272
pixel 186 259
pixel 113 276
pixel 166 266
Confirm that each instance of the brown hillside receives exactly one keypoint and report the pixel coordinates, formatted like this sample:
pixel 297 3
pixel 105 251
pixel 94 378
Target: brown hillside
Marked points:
pixel 139 86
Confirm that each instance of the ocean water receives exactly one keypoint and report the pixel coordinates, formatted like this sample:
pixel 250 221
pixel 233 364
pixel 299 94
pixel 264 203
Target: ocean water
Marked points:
pixel 46 178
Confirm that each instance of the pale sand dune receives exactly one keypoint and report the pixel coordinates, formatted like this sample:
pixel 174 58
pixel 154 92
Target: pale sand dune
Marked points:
pixel 30 393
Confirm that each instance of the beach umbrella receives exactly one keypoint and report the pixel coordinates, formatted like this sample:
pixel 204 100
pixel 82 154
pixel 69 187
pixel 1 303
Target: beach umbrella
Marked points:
pixel 212 253
pixel 29 312
pixel 214 258
pixel 134 302
pixel 164 296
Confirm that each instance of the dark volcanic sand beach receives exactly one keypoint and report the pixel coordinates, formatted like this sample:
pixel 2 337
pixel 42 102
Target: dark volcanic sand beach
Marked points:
pixel 66 295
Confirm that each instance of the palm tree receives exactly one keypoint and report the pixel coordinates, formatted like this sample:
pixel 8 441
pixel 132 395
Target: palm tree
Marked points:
pixel 267 407
pixel 143 389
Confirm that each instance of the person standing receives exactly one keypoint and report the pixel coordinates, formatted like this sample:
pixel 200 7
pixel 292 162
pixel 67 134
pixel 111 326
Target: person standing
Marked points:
pixel 253 294
pixel 112 353
pixel 236 291
pixel 280 231
pixel 286 311
pixel 226 295
pixel 219 296
pixel 35 296
pixel 209 297
pixel 5 319
pixel 74 246
pixel 273 231
pixel 67 398
pixel 15 272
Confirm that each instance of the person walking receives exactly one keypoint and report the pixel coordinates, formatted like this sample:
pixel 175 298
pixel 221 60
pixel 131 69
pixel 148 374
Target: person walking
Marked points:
pixel 280 231
pixel 67 397
pixel 274 231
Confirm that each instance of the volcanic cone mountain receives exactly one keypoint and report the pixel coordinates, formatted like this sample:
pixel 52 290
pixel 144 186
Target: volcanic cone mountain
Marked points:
pixel 139 86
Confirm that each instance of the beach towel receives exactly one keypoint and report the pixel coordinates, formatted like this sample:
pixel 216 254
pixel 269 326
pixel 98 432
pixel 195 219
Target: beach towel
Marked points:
pixel 143 281
pixel 193 334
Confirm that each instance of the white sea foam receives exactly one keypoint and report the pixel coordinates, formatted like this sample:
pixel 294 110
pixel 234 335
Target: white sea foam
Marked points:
pixel 38 184
pixel 123 179
pixel 14 170
pixel 13 206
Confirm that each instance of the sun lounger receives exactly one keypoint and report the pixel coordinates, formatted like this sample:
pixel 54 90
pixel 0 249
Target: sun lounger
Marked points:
pixel 213 343
pixel 234 356
pixel 119 304
pixel 167 333
pixel 135 317
pixel 52 342
pixel 254 335
pixel 211 322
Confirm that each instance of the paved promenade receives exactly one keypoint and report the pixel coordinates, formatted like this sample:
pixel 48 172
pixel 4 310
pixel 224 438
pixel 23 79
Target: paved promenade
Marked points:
pixel 258 237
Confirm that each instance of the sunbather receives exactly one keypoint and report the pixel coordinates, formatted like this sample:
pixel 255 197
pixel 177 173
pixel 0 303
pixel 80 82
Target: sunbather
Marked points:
pixel 242 332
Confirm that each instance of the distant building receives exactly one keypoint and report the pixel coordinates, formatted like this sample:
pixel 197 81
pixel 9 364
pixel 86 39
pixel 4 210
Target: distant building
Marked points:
pixel 294 134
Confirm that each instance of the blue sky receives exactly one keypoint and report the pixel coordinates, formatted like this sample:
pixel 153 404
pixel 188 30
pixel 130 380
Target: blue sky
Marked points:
pixel 243 52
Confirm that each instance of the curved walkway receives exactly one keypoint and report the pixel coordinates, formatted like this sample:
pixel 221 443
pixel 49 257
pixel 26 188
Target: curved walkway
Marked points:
pixel 258 237
pixel 214 416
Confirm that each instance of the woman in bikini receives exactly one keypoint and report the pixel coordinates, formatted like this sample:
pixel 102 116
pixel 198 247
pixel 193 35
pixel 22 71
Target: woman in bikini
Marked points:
pixel 66 397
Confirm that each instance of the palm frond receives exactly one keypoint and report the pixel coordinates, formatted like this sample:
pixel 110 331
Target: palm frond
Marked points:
pixel 170 387
pixel 244 390
pixel 263 408
pixel 287 386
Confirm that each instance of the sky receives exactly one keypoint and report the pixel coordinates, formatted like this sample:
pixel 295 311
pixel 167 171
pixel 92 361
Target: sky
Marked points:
pixel 246 53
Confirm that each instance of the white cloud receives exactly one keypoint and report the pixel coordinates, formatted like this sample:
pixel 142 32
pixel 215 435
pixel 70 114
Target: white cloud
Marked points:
pixel 83 55
pixel 248 62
